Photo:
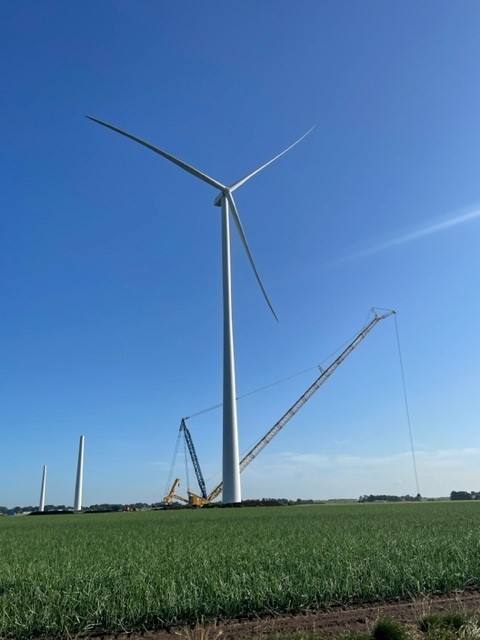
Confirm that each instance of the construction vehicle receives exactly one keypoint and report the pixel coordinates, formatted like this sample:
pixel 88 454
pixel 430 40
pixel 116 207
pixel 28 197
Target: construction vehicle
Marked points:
pixel 192 501
pixel 204 499
pixel 168 499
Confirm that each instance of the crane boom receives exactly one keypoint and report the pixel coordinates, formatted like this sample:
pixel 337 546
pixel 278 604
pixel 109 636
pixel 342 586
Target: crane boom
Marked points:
pixel 322 378
pixel 193 456
pixel 168 499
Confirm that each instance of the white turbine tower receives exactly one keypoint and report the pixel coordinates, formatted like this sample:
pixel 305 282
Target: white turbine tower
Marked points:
pixel 224 199
pixel 77 506
pixel 41 506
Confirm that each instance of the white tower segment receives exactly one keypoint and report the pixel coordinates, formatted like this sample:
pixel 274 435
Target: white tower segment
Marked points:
pixel 41 506
pixel 79 484
pixel 231 469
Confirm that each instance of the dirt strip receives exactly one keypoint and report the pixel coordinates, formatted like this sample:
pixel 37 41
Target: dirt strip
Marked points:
pixel 328 623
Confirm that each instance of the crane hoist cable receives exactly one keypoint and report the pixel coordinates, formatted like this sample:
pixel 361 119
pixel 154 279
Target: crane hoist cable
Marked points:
pixel 273 384
pixel 185 458
pixel 407 412
pixel 172 466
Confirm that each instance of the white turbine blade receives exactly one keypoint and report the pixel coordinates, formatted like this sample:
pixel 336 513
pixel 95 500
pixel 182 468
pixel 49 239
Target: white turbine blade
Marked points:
pixel 250 175
pixel 168 156
pixel 243 238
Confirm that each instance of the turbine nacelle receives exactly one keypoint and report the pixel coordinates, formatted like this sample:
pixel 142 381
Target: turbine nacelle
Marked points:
pixel 218 200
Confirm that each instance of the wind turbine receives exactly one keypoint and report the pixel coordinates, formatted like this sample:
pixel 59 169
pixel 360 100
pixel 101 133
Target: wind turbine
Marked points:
pixel 41 506
pixel 231 470
pixel 77 505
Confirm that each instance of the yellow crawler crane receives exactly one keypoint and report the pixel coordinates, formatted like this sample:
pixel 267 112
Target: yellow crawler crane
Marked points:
pixel 200 501
pixel 168 499
pixel 193 499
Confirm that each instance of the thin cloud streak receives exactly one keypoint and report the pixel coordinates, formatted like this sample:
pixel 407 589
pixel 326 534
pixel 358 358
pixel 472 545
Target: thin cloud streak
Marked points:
pixel 415 235
pixel 442 456
pixel 331 475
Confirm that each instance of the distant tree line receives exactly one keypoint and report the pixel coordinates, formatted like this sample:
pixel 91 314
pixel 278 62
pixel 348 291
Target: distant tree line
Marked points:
pixel 465 495
pixel 137 506
pixel 278 502
pixel 261 502
pixel 386 498
pixel 15 510
pixel 105 507
pixel 267 502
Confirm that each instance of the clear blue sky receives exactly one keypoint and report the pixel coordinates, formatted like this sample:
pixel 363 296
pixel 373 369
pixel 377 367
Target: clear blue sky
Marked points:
pixel 110 302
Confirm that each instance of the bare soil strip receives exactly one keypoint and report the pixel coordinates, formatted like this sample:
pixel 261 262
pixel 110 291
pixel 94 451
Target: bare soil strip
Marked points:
pixel 328 623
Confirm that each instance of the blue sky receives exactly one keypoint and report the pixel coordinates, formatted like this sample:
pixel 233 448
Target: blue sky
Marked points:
pixel 110 305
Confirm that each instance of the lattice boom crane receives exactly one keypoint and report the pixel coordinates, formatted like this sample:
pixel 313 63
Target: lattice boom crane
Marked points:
pixel 322 378
pixel 204 499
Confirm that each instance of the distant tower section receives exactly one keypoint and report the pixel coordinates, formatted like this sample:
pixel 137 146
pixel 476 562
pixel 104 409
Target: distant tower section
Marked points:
pixel 79 485
pixel 41 506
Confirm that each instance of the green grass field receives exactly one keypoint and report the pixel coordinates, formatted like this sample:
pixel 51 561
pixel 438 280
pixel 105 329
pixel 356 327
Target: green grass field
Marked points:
pixel 67 574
